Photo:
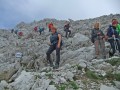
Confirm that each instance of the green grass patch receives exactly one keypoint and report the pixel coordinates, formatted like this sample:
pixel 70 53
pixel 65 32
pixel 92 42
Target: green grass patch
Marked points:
pixel 61 87
pixel 114 61
pixel 52 83
pixel 73 85
pixel 69 85
pixel 90 74
pixel 79 67
pixel 37 76
pixel 50 76
pixel 111 76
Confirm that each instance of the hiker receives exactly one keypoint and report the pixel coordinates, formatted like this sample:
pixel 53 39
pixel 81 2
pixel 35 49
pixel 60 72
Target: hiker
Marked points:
pixel 36 28
pixel 50 25
pixel 12 30
pixel 66 29
pixel 113 36
pixel 115 22
pixel 55 44
pixel 20 34
pixel 16 31
pixel 41 29
pixel 98 40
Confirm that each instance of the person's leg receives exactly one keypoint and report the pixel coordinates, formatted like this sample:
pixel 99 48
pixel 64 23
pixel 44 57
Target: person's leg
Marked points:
pixel 96 48
pixel 49 30
pixel 118 44
pixel 103 49
pixel 69 32
pixel 40 32
pixel 57 57
pixel 112 45
pixel 66 33
pixel 50 50
pixel 43 30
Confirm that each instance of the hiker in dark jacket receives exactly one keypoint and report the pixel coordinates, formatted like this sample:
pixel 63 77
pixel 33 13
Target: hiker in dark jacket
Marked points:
pixel 12 30
pixel 99 41
pixel 67 30
pixel 16 31
pixel 113 35
pixel 41 29
pixel 55 44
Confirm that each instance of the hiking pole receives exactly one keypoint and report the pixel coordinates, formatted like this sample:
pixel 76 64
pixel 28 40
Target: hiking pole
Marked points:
pixel 115 43
pixel 114 39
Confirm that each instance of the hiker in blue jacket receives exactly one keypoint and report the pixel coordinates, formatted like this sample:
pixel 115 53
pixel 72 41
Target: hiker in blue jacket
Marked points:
pixel 114 36
pixel 41 29
pixel 55 44
pixel 67 30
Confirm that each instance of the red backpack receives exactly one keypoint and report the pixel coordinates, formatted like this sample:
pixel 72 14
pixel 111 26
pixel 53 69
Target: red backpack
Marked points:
pixel 20 33
pixel 35 29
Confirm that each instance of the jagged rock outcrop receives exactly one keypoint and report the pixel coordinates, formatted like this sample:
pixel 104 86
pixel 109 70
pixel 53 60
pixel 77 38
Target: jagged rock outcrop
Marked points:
pixel 28 71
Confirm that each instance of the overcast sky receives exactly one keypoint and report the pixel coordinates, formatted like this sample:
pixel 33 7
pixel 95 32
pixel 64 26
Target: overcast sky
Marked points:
pixel 14 11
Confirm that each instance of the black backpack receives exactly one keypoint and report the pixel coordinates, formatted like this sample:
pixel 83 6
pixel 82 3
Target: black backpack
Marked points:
pixel 53 41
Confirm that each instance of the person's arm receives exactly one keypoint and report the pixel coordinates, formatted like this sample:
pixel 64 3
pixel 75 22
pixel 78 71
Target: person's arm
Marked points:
pixel 108 32
pixel 102 33
pixel 102 36
pixel 59 40
pixel 65 27
pixel 49 42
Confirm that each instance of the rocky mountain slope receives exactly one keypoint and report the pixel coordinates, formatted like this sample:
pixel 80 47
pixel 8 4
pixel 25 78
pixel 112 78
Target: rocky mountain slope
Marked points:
pixel 78 70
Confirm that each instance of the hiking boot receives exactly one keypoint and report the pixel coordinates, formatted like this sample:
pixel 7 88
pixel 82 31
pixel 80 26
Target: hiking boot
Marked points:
pixel 104 57
pixel 56 67
pixel 51 65
pixel 116 54
pixel 95 57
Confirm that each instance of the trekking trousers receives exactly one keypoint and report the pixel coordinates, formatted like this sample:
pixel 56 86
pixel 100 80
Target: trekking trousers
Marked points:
pixel 67 33
pixel 50 50
pixel 112 44
pixel 100 45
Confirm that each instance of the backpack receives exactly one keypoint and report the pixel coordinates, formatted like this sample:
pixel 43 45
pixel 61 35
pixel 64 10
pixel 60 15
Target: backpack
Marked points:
pixel 92 38
pixel 55 39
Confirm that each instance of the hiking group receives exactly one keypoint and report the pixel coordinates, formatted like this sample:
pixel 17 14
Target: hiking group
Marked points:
pixel 98 38
pixel 112 36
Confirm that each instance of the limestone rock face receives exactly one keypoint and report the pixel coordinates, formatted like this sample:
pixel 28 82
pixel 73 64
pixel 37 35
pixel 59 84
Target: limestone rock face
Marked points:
pixel 8 70
pixel 23 64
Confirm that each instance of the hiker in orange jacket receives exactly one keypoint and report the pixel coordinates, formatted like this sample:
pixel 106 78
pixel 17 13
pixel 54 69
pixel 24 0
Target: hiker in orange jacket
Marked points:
pixel 50 25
